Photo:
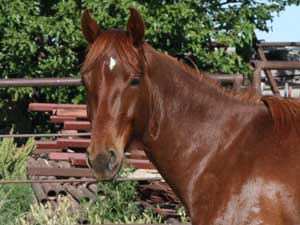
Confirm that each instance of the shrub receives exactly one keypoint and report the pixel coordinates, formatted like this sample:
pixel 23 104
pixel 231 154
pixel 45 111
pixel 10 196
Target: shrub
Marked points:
pixel 15 198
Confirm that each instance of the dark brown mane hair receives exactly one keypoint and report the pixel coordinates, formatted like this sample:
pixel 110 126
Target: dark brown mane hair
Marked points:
pixel 247 95
pixel 285 113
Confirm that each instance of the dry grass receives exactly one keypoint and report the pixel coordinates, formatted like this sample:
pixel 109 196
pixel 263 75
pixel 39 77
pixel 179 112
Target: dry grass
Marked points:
pixel 64 214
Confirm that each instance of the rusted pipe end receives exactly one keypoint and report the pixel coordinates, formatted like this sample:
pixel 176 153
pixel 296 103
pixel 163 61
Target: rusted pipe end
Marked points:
pixel 255 64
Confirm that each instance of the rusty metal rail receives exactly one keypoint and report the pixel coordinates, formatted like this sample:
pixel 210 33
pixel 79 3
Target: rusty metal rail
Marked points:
pixel 44 135
pixel 226 77
pixel 269 65
pixel 278 44
pixel 70 81
pixel 81 180
pixel 40 82
pixel 273 84
pixel 235 79
pixel 276 65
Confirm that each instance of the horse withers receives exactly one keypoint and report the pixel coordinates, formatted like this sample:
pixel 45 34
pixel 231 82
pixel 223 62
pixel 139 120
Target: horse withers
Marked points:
pixel 232 159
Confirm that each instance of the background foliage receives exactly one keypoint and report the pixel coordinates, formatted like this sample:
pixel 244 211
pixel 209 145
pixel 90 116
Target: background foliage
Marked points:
pixel 41 38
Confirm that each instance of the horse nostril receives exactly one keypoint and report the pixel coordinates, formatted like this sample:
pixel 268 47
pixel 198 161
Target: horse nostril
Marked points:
pixel 112 161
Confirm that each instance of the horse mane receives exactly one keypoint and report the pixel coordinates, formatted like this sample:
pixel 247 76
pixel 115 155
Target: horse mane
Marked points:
pixel 285 113
pixel 248 95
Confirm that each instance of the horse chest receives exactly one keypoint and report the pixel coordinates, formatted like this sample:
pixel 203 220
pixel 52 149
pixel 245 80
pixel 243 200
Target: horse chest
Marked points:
pixel 257 202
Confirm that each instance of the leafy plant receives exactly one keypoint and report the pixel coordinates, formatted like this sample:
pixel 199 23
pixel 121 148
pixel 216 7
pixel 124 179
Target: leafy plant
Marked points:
pixel 13 159
pixel 15 198
pixel 119 205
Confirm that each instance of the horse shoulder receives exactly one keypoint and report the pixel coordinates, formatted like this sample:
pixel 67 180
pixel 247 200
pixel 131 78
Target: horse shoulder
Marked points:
pixel 260 201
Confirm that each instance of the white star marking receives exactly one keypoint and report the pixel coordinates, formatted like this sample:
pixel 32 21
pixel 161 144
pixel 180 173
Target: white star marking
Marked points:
pixel 112 63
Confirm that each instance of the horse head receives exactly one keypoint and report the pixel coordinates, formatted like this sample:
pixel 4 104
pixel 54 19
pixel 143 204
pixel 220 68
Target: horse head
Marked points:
pixel 113 75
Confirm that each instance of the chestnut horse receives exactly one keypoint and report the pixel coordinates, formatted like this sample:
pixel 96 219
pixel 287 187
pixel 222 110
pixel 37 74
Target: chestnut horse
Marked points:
pixel 231 159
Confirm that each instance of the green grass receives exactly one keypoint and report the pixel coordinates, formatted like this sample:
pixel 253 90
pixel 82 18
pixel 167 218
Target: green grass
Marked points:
pixel 15 200
pixel 118 204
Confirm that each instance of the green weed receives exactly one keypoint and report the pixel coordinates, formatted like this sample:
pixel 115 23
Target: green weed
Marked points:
pixel 16 199
pixel 118 204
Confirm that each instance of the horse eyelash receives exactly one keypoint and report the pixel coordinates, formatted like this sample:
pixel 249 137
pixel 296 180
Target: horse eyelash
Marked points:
pixel 135 81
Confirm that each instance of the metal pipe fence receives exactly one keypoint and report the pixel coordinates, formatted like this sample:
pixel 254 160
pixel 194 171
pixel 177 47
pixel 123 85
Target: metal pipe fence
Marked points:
pixel 40 82
pixel 81 180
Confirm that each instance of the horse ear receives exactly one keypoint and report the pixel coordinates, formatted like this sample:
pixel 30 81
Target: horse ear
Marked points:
pixel 136 27
pixel 90 28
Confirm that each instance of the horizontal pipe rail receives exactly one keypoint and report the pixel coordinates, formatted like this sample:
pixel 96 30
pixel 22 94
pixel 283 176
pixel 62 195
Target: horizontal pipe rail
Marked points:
pixel 60 172
pixel 39 82
pixel 226 78
pixel 44 135
pixel 276 65
pixel 81 180
pixel 65 81
pixel 278 44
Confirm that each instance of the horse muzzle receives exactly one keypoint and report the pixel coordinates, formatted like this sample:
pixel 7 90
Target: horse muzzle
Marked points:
pixel 105 165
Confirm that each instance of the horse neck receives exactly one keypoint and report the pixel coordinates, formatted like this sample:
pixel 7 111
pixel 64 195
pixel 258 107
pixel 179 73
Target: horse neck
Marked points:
pixel 186 121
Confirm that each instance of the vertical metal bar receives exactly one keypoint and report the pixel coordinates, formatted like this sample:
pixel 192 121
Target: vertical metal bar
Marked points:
pixel 256 82
pixel 286 89
pixel 237 82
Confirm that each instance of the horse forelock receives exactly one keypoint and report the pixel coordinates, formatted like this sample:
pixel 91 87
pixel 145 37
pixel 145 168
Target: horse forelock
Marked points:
pixel 285 113
pixel 117 40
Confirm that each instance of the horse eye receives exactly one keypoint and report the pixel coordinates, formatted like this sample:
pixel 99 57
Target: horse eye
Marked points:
pixel 135 81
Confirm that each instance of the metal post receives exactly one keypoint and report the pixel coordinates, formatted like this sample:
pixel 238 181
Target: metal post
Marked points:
pixel 256 82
